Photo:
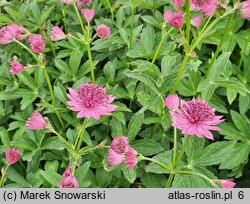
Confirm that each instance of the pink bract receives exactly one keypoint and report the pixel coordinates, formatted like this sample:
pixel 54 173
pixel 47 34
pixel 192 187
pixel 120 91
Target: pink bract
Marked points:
pixel 120 144
pixel 103 31
pixel 67 1
pixel 68 182
pixel 15 67
pixel 12 155
pixel 114 158
pixel 68 171
pixel 88 14
pixel 57 34
pixel 81 3
pixel 196 117
pixel 196 21
pixel 36 42
pixel 175 19
pixel 36 121
pixel 130 158
pixel 177 3
pixel 228 183
pixel 207 7
pixel 172 102
pixel 91 101
pixel 10 32
pixel 244 11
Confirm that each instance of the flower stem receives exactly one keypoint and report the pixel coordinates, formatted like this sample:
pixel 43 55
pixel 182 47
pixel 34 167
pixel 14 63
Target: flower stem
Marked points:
pixel 79 138
pixel 243 54
pixel 65 141
pixel 111 10
pixel 187 20
pixel 175 146
pixel 164 35
pixel 64 18
pixel 220 44
pixel 131 26
pixel 91 63
pixel 79 19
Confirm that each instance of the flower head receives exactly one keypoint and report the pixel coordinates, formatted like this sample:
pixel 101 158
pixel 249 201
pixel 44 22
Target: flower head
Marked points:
pixel 36 121
pixel 88 14
pixel 177 3
pixel 103 31
pixel 68 171
pixel 244 10
pixel 228 183
pixel 120 144
pixel 130 158
pixel 67 1
pixel 196 117
pixel 196 21
pixel 81 3
pixel 57 34
pixel 10 32
pixel 16 67
pixel 207 7
pixel 68 182
pixel 175 19
pixel 114 158
pixel 36 42
pixel 172 102
pixel 90 100
pixel 12 155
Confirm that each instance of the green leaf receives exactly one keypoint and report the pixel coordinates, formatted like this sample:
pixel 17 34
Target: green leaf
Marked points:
pixel 130 174
pixel 15 176
pixel 52 177
pixel 52 143
pixel 147 147
pixel 75 60
pixel 27 80
pixel 241 122
pixel 81 172
pixel 134 125
pixel 103 178
pixel 4 137
pixel 51 165
pixel 189 181
pixel 214 154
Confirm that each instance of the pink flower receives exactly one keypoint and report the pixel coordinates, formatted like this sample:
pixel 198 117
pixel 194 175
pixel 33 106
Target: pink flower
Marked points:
pixel 16 67
pixel 114 158
pixel 172 102
pixel 36 121
pixel 244 11
pixel 68 172
pixel 103 31
pixel 207 7
pixel 120 151
pixel 68 182
pixel 196 21
pixel 196 117
pixel 81 3
pixel 228 183
pixel 88 14
pixel 91 101
pixel 177 3
pixel 175 19
pixel 10 32
pixel 120 144
pixel 57 34
pixel 130 158
pixel 67 1
pixel 12 155
pixel 36 42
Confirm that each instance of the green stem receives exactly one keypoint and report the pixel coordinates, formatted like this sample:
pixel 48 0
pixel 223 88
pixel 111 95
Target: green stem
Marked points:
pixel 91 63
pixel 4 173
pixel 167 168
pixel 169 181
pixel 64 18
pixel 175 147
pixel 131 27
pixel 50 43
pixel 79 19
pixel 110 9
pixel 52 96
pixel 187 20
pixel 79 138
pixel 243 54
pixel 65 141
pixel 180 73
pixel 225 34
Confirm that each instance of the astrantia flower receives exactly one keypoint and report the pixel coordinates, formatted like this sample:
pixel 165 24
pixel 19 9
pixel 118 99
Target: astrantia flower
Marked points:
pixel 68 171
pixel 196 21
pixel 36 121
pixel 36 42
pixel 172 102
pixel 15 67
pixel 177 3
pixel 68 182
pixel 196 117
pixel 10 32
pixel 88 14
pixel 81 3
pixel 175 19
pixel 120 151
pixel 207 7
pixel 12 155
pixel 224 183
pixel 103 31
pixel 91 101
pixel 67 1
pixel 57 34
pixel 244 11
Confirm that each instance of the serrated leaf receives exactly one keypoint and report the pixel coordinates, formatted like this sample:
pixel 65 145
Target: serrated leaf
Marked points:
pixel 147 146
pixel 134 125
pixel 52 177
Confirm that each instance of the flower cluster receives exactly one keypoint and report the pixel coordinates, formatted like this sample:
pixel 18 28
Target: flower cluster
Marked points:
pixel 12 155
pixel 68 180
pixel 120 151
pixel 194 117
